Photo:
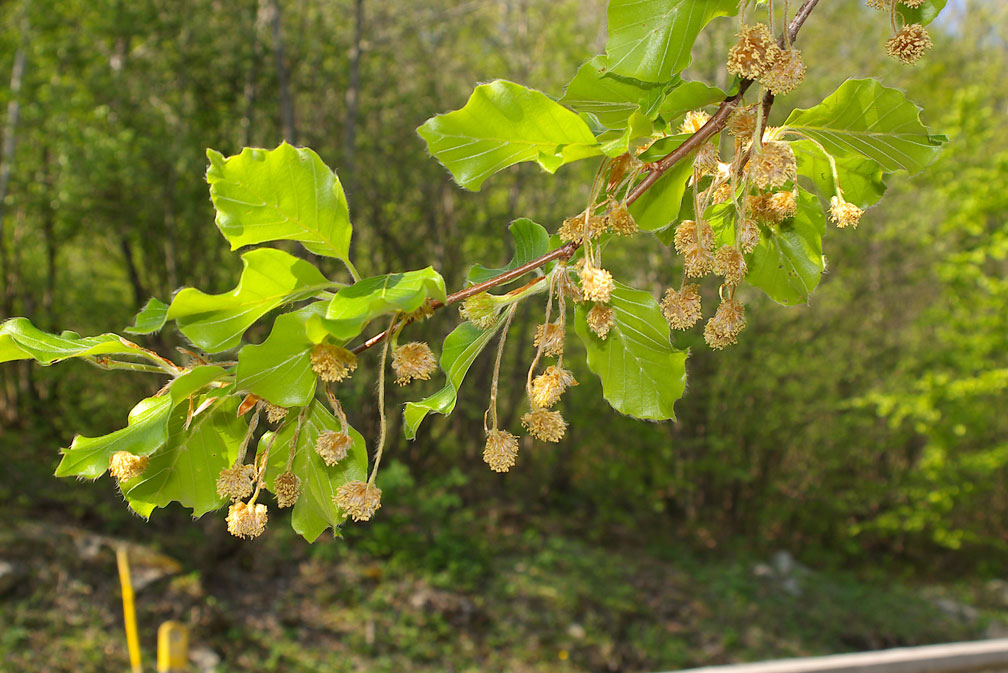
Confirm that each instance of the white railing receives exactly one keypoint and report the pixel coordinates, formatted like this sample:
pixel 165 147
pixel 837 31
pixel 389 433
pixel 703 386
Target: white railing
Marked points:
pixel 982 655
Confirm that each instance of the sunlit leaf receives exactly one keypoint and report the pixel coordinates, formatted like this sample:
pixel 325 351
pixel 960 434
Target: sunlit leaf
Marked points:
pixel 642 374
pixel 185 468
pixel 284 194
pixel 659 206
pixel 279 369
pixel 531 240
pixel 788 261
pixel 21 340
pixel 689 96
pixel 861 179
pixel 502 124
pixel 271 277
pixel 608 99
pixel 924 14
pixel 195 380
pixel 146 431
pixel 864 118
pixel 639 128
pixel 652 40
pixel 150 319
pixel 356 305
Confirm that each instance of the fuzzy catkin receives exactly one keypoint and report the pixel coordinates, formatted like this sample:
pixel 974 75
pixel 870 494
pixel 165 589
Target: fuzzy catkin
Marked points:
pixel 413 361
pixel 909 44
pixel 545 425
pixel 754 52
pixel 500 451
pixel 358 499
pixel 681 308
pixel 332 363
pixel 548 387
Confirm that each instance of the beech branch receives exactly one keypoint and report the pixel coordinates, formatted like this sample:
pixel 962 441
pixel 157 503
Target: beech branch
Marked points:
pixel 713 126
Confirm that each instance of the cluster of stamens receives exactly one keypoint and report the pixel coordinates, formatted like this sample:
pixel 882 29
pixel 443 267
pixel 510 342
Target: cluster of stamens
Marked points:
pixel 275 413
pixel 236 482
pixel 358 499
pixel 287 488
pixel 545 425
pixel 549 387
pixel 694 240
pixel 124 465
pixel 413 361
pixel 480 310
pixel 333 446
pixel 909 43
pixel 723 329
pixel 332 363
pixel 247 520
pixel 501 450
pixel 551 337
pixel 844 214
pixel 757 56
pixel 682 307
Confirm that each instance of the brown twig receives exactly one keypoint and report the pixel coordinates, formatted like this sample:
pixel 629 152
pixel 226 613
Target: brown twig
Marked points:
pixel 713 126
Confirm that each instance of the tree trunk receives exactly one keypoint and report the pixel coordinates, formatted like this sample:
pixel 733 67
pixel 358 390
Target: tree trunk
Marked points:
pixel 7 273
pixel 352 97
pixel 283 76
pixel 248 120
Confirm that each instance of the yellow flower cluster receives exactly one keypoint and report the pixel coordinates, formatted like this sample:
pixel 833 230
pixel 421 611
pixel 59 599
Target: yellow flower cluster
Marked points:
pixel 247 521
pixel 236 482
pixel 682 309
pixel 501 450
pixel 359 499
pixel 287 487
pixel 413 361
pixel 332 363
pixel 124 465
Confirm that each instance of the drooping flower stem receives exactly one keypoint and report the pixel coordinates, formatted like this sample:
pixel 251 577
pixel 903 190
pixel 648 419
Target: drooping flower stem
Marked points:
pixel 382 425
pixel 496 371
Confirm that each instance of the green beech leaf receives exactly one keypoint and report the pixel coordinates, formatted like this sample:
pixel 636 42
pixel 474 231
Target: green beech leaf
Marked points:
pixel 315 510
pixel 659 206
pixel 639 126
pixel 185 468
pixel 502 124
pixel 354 306
pixel 861 179
pixel 864 118
pixel 608 99
pixel 642 374
pixel 216 322
pixel 195 380
pixel 788 261
pixel 458 353
pixel 150 319
pixel 721 218
pixel 144 509
pixel 662 147
pixel 531 241
pixel 279 369
pixel 924 14
pixel 285 194
pixel 689 96
pixel 146 431
pixel 21 340
pixel 651 40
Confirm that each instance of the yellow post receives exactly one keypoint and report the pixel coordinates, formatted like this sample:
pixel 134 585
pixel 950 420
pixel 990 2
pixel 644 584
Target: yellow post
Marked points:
pixel 129 610
pixel 172 648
